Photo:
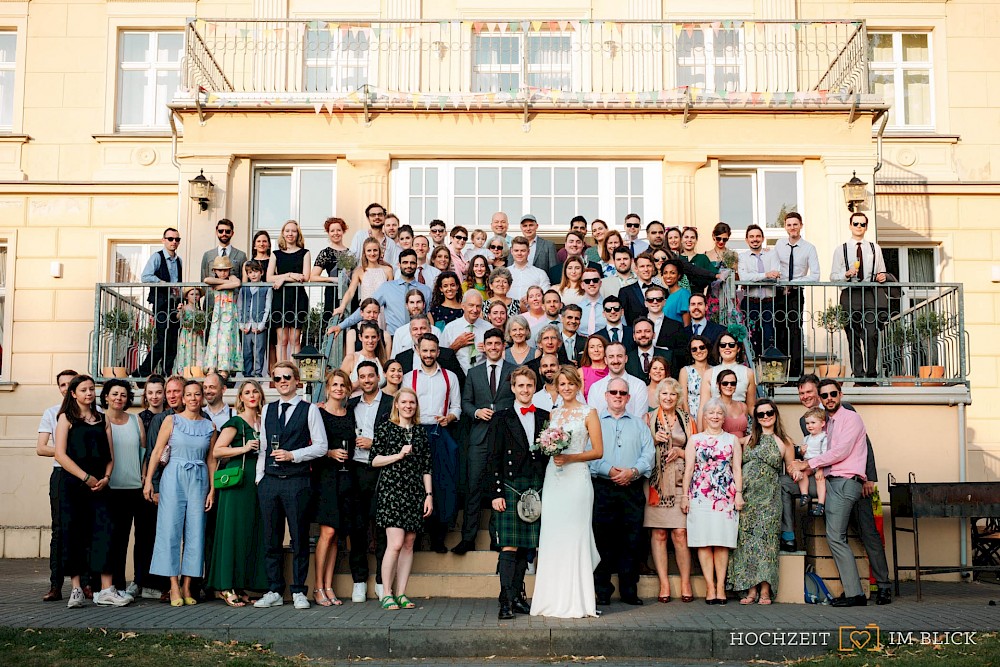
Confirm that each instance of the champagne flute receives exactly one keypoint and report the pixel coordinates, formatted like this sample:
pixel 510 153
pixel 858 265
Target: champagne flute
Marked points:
pixel 275 446
pixel 343 445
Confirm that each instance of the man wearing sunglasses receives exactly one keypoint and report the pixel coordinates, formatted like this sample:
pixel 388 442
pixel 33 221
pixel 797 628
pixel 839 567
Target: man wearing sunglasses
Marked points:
pixel 633 225
pixel 164 266
pixel 862 261
pixel 619 499
pixel 848 463
pixel 591 304
pixel 616 331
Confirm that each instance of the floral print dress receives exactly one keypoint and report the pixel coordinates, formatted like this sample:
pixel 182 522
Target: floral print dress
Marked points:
pixel 190 340
pixel 756 556
pixel 712 520
pixel 224 351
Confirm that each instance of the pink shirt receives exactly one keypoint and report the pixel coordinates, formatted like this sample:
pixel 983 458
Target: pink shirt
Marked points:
pixel 592 375
pixel 848 452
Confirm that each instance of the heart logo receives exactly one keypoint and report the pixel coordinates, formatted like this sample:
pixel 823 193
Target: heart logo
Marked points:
pixel 860 638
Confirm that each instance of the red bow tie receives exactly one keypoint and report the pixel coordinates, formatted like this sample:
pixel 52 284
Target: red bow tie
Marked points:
pixel 530 408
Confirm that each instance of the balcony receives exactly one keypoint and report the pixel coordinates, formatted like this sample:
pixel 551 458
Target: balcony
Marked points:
pixel 568 64
pixel 916 330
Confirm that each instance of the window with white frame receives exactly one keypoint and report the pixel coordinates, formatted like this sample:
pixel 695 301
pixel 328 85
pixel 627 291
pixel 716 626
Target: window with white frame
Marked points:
pixel 303 192
pixel 901 71
pixel 710 59
pixel 5 312
pixel 759 194
pixel 129 258
pixel 468 192
pixel 507 62
pixel 913 264
pixel 337 60
pixel 8 64
pixel 149 73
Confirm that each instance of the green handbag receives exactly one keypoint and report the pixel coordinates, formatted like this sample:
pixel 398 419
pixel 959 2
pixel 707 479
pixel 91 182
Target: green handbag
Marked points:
pixel 229 477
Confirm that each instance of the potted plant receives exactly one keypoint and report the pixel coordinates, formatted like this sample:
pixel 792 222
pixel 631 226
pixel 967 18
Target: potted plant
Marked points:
pixel 898 342
pixel 833 318
pixel 118 324
pixel 313 335
pixel 929 325
pixel 346 263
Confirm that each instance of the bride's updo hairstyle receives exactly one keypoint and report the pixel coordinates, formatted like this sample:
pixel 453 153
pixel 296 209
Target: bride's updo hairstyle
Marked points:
pixel 571 373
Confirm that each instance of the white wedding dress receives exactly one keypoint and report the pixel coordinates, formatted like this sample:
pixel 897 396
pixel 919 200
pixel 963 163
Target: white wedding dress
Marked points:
pixel 567 554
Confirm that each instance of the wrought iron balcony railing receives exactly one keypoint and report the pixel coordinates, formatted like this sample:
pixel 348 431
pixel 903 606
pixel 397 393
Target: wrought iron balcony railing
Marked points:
pixel 900 334
pixel 575 63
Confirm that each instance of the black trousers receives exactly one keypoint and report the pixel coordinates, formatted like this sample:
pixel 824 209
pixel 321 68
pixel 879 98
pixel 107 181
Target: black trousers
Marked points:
pixel 55 556
pixel 618 513
pixel 475 492
pixel 788 326
pixel 164 348
pixel 85 527
pixel 362 503
pixel 863 334
pixel 128 507
pixel 286 499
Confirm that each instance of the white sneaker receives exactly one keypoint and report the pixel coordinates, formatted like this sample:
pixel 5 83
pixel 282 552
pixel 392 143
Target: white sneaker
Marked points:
pixel 110 597
pixel 531 568
pixel 300 601
pixel 132 591
pixel 76 598
pixel 360 593
pixel 150 594
pixel 379 592
pixel 270 599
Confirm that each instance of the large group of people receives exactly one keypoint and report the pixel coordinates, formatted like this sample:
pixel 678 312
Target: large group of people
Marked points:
pixel 460 358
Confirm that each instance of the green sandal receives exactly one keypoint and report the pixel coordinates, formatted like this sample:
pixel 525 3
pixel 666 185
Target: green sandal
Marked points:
pixel 389 603
pixel 404 602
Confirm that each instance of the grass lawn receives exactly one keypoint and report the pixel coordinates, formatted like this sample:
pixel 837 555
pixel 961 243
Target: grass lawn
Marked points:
pixel 984 653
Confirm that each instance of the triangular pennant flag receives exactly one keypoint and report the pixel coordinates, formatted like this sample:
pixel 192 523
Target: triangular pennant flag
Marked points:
pixel 536 25
pixel 657 29
pixel 689 29
pixel 767 98
pixel 554 26
pixel 212 97
pixel 678 28
pixel 318 106
pixel 199 25
pixel 716 25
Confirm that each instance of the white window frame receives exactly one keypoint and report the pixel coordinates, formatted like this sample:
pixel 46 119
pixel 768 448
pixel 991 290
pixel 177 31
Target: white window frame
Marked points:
pixel 8 240
pixel 523 69
pixel 757 172
pixel 898 67
pixel 312 230
pixel 400 179
pixel 710 61
pixel 151 68
pixel 11 66
pixel 147 248
pixel 338 60
pixel 913 296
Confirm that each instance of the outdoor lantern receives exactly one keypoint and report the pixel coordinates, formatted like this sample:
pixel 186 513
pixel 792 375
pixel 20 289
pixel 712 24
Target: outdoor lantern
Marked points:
pixel 311 364
pixel 855 192
pixel 200 190
pixel 772 369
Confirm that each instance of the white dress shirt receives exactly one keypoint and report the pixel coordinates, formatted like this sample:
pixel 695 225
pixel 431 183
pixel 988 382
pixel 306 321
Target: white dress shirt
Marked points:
pixel 592 318
pixel 50 419
pixel 465 355
pixel 806 261
pixel 524 278
pixel 365 415
pixel 754 265
pixel 401 341
pixel 621 333
pixel 871 256
pixel 317 434
pixel 390 251
pixel 527 421
pixel 638 400
pixel 657 325
pixel 431 396
pixel 543 400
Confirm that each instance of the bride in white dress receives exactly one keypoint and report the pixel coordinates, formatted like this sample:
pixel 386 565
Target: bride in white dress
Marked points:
pixel 567 554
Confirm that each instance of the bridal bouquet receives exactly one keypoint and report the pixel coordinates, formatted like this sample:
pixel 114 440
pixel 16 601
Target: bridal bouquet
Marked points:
pixel 553 440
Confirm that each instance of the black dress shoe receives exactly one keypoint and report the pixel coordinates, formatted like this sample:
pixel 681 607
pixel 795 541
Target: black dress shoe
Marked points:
pixel 722 601
pixel 520 606
pixel 439 547
pixel 463 548
pixel 884 596
pixel 788 545
pixel 505 613
pixel 853 601
pixel 635 602
pixel 603 600
pixel 54 595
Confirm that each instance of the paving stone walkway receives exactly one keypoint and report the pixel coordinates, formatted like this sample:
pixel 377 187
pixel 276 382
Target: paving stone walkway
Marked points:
pixel 468 628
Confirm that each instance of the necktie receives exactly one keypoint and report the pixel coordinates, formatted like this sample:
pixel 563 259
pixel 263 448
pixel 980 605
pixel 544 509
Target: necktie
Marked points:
pixel 493 380
pixel 760 263
pixel 614 336
pixel 472 348
pixel 791 262
pixel 282 412
pixel 225 249
pixel 530 408
pixel 645 362
pixel 697 329
pixel 420 275
pixel 568 344
pixel 861 264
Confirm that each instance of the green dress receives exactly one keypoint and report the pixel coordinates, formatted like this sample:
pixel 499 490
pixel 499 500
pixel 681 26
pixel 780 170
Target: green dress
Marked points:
pixel 237 555
pixel 755 558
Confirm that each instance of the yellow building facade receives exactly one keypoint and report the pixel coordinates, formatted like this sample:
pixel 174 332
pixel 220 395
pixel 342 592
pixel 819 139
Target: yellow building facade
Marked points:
pixel 683 111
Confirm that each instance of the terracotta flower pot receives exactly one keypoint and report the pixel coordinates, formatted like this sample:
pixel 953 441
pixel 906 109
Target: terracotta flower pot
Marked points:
pixel 830 370
pixel 931 372
pixel 903 381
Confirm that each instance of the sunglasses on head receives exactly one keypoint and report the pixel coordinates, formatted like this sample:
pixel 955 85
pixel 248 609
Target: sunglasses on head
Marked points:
pixel 282 378
pixel 728 383
pixel 590 281
pixel 859 224
pixel 726 345
pixel 612 309
pixel 698 348
pixel 763 414
pixel 830 394
pixel 618 392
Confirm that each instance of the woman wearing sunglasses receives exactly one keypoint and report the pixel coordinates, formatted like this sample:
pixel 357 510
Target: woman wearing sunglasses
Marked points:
pixel 499 250
pixel 729 352
pixel 736 421
pixel 700 350
pixel 753 567
pixel 720 234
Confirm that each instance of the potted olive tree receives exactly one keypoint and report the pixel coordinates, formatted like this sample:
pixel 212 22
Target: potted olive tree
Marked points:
pixel 834 319
pixel 929 326
pixel 118 325
pixel 898 342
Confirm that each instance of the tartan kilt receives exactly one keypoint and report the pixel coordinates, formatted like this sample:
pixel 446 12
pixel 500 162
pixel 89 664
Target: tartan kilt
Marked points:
pixel 508 528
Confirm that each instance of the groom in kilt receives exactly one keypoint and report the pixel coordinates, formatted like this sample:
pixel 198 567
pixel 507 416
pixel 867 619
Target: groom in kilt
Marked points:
pixel 513 469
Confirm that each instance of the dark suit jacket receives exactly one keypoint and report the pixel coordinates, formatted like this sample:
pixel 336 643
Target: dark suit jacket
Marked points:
pixel 579 345
pixel 535 364
pixel 712 331
pixel 626 336
pixel 236 256
pixel 384 407
pixel 555 271
pixel 682 339
pixel 545 254
pixel 510 455
pixel 446 359
pixel 633 302
pixel 633 365
pixel 476 395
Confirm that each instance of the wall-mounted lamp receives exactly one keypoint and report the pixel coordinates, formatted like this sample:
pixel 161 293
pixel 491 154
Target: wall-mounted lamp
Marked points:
pixel 441 48
pixel 855 193
pixel 200 190
pixel 611 46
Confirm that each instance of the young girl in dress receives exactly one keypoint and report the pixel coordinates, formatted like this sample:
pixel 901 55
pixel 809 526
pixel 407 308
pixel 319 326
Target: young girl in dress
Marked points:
pixel 368 276
pixel 223 354
pixel 191 336
pixel 290 263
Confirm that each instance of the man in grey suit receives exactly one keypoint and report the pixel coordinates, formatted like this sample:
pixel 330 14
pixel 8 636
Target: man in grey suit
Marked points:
pixel 541 252
pixel 487 391
pixel 224 233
